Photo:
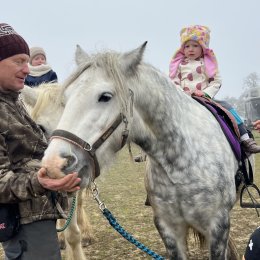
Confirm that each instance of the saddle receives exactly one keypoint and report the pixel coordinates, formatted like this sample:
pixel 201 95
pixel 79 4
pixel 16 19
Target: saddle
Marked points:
pixel 230 129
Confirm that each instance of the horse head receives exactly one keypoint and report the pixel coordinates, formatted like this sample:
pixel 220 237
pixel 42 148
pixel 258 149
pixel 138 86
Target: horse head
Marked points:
pixel 96 116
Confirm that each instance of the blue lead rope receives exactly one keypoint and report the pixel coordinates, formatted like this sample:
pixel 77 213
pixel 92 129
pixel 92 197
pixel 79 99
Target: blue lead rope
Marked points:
pixel 118 228
pixel 127 236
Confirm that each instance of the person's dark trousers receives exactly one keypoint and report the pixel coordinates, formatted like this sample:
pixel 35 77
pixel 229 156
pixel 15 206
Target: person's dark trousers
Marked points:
pixel 37 240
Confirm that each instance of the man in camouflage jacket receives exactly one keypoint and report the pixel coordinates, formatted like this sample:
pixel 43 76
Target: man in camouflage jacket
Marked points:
pixel 22 144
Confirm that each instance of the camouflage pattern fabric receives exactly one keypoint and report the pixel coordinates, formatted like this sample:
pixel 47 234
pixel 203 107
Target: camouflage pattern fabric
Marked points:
pixel 22 145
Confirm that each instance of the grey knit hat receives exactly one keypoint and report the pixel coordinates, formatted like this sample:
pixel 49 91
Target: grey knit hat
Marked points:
pixel 11 43
pixel 36 51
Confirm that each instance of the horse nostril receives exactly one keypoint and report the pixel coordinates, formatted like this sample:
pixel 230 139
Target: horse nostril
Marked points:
pixel 71 162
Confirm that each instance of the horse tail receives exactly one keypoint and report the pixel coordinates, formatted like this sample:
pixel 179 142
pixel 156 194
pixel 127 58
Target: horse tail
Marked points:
pixel 199 239
pixel 232 250
pixel 232 253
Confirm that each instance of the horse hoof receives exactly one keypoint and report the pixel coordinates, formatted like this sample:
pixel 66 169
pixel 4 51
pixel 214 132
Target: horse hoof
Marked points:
pixel 62 245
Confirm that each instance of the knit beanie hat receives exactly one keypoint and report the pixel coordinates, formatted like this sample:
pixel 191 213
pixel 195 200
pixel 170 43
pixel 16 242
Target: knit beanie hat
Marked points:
pixel 200 34
pixel 11 43
pixel 36 51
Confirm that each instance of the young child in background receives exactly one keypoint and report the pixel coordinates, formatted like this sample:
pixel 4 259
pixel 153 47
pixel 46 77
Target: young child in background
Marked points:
pixel 40 71
pixel 194 69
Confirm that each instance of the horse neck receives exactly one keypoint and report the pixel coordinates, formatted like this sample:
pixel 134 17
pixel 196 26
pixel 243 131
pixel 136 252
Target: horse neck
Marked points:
pixel 162 112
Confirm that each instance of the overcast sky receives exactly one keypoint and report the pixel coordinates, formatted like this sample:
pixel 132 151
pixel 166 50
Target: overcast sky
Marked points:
pixel 122 25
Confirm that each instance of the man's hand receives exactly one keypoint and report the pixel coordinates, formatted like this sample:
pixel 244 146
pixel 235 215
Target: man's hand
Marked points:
pixel 68 183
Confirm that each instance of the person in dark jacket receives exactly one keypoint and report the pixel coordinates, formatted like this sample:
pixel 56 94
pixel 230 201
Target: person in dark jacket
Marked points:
pixel 22 180
pixel 252 251
pixel 40 70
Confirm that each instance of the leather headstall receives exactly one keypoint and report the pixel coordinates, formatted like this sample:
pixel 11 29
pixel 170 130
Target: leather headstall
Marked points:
pixel 91 149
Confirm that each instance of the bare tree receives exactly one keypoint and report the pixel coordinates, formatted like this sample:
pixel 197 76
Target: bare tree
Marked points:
pixel 251 81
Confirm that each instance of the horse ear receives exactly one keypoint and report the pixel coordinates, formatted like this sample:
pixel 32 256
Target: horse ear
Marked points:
pixel 80 55
pixel 132 59
pixel 29 95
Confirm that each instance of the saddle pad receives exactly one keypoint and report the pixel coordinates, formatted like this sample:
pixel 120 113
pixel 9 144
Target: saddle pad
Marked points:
pixel 226 121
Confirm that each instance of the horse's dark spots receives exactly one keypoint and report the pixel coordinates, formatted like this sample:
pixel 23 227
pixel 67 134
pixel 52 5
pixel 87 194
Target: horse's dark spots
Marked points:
pixel 173 251
pixel 219 236
pixel 172 248
pixel 144 143
pixel 169 242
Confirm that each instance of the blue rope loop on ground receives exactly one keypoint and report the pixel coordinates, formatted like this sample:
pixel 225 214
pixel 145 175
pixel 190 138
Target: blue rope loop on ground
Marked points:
pixel 129 237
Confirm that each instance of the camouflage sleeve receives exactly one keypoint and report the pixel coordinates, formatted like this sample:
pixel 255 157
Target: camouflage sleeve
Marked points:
pixel 16 186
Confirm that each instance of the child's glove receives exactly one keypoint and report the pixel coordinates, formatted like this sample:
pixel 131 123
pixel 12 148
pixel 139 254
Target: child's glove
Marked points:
pixel 198 93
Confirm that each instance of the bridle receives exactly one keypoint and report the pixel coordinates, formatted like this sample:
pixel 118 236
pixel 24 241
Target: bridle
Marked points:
pixel 91 149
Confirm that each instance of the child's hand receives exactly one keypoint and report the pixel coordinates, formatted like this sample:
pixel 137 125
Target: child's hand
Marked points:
pixel 198 93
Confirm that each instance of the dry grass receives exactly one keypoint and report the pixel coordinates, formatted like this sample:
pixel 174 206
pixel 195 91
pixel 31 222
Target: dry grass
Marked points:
pixel 122 190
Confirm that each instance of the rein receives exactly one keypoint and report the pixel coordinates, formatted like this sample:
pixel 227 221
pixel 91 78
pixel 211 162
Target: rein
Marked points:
pixel 91 149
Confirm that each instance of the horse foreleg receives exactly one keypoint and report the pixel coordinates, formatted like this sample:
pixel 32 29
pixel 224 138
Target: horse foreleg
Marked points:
pixel 174 237
pixel 61 236
pixel 83 221
pixel 74 250
pixel 232 250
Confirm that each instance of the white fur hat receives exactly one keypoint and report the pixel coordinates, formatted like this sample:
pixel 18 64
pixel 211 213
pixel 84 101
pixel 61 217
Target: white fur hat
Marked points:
pixel 35 51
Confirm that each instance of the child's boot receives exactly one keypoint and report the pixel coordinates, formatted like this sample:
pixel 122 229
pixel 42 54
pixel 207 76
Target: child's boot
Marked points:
pixel 250 146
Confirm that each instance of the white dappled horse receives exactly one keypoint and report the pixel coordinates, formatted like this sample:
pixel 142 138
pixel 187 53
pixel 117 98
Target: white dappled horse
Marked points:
pixel 46 109
pixel 191 175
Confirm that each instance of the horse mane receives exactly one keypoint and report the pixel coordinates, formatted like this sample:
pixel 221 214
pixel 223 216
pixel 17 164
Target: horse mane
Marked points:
pixel 47 93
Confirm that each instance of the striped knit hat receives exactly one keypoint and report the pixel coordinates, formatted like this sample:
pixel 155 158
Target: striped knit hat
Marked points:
pixel 11 43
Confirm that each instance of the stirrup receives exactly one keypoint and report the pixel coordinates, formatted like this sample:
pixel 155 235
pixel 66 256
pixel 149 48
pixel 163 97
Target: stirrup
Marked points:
pixel 254 203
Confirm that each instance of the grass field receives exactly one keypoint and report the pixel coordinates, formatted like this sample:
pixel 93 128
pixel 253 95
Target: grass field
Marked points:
pixel 122 190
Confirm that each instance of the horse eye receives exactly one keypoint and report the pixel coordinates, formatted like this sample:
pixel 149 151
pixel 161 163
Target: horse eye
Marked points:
pixel 105 97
